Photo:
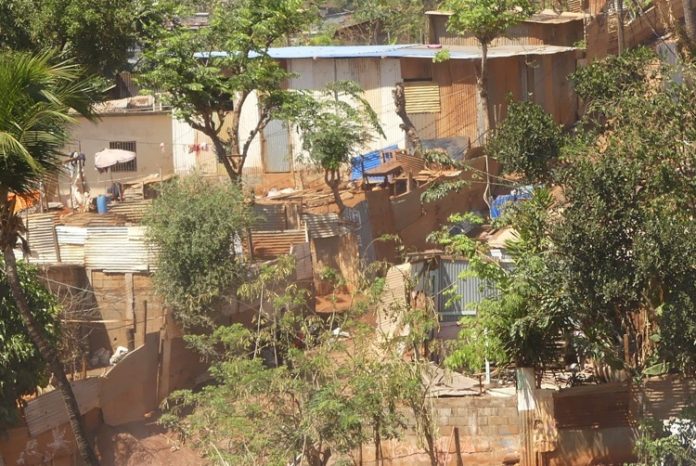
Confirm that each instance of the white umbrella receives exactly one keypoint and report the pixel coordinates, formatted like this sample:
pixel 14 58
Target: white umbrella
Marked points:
pixel 110 157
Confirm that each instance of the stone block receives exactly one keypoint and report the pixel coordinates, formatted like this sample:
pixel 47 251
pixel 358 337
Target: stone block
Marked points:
pixel 507 430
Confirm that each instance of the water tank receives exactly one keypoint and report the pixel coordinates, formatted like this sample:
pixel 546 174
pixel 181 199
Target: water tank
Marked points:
pixel 102 204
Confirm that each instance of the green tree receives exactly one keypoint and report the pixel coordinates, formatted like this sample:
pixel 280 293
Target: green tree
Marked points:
pixel 34 117
pixel 335 126
pixel 485 20
pixel 611 267
pixel 100 35
pixel 195 224
pixel 22 368
pixel 517 324
pixel 526 142
pixel 401 21
pixel 207 75
pixel 320 396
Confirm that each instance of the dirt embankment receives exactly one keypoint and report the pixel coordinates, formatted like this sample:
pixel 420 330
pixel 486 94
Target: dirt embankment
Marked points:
pixel 143 444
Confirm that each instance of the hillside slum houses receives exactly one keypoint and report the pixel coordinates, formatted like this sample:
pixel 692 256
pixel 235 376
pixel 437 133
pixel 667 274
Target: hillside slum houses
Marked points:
pixel 95 257
pixel 139 143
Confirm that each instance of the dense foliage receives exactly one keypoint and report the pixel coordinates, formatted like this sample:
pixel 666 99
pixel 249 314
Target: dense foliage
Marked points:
pixel 196 225
pixel 100 35
pixel 526 142
pixel 22 369
pixel 612 262
pixel 39 96
pixel 299 388
pixel 209 90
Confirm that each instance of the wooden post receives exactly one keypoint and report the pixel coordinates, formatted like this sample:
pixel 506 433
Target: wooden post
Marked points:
pixel 144 321
pixel 620 26
pixel 526 405
pixel 130 311
pixel 458 447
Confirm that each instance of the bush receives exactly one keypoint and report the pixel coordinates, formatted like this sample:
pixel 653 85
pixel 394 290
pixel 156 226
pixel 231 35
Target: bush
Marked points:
pixel 195 224
pixel 526 141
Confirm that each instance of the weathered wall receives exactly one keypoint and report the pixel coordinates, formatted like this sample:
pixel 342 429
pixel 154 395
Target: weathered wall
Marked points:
pixel 129 389
pixel 602 30
pixel 148 130
pixel 564 33
pixel 340 253
pixel 55 447
pixel 482 429
pixel 121 300
pixel 540 78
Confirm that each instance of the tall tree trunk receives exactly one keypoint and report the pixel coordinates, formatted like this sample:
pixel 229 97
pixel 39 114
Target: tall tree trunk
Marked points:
pixel 690 22
pixel 620 25
pixel 333 181
pixel 406 123
pixel 484 116
pixel 224 159
pixel 50 355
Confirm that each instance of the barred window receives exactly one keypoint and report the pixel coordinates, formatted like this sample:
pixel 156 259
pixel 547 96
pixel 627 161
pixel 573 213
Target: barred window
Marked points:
pixel 131 166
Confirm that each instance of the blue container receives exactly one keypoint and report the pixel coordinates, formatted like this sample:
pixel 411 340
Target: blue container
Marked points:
pixel 102 204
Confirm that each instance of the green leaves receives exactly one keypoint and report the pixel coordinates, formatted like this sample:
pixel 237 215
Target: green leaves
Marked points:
pixel 336 124
pixel 21 367
pixel 526 142
pixel 485 19
pixel 195 224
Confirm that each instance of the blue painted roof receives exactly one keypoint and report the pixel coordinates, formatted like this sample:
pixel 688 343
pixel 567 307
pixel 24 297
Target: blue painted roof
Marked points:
pixel 456 52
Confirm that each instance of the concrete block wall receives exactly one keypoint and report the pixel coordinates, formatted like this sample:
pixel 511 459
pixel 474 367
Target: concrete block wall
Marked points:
pixel 482 430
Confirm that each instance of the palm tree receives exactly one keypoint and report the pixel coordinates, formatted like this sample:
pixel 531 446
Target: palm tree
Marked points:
pixel 36 94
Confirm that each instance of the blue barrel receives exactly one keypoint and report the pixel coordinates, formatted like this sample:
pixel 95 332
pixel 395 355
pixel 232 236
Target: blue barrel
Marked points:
pixel 101 204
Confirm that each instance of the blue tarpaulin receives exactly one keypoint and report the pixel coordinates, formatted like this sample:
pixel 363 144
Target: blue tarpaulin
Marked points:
pixel 366 162
pixel 498 204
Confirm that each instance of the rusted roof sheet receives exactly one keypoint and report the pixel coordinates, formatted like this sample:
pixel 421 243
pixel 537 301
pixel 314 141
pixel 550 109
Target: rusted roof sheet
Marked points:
pixel 272 244
pixel 91 219
pixel 48 411
pixel 270 217
pixel 410 163
pixel 391 167
pixel 325 225
pixel 133 211
pixel 41 238
pixel 118 249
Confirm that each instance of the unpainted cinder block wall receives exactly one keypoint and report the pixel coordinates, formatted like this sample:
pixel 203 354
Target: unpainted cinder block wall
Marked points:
pixel 482 430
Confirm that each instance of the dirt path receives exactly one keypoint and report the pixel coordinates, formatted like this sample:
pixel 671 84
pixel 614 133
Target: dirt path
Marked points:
pixel 143 443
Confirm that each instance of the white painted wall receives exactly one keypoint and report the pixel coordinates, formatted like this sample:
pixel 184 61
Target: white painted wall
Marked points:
pixel 376 76
pixel 183 136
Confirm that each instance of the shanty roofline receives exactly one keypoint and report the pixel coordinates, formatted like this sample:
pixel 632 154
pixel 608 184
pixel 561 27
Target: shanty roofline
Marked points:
pixel 456 52
pixel 544 16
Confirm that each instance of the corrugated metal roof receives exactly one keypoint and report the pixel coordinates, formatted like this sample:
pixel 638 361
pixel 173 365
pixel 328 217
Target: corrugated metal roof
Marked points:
pixel 48 411
pixel 71 241
pixel 118 249
pixel 272 244
pixel 133 211
pixel 325 225
pixel 399 51
pixel 368 161
pixel 41 238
